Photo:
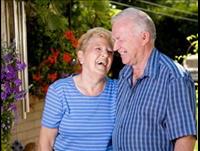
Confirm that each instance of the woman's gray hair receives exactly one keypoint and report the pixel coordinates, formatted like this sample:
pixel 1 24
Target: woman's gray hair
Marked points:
pixel 139 18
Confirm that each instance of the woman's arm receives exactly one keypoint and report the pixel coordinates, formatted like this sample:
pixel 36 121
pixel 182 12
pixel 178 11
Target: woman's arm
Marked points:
pixel 47 137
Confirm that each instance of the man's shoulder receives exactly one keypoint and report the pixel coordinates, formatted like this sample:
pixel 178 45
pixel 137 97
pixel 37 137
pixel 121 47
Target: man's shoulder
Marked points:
pixel 175 69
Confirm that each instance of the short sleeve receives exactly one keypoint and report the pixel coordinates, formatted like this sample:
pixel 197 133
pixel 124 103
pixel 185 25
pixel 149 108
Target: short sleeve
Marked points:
pixel 53 109
pixel 181 110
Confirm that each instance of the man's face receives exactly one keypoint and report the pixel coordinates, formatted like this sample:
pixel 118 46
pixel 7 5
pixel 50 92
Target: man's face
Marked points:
pixel 127 40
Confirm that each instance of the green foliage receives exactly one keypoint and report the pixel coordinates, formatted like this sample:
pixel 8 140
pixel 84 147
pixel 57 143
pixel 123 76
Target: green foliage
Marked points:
pixel 78 15
pixel 50 14
pixel 88 14
pixel 193 39
pixel 7 120
pixel 192 49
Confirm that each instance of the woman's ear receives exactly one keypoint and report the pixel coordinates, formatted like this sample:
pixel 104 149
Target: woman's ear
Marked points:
pixel 80 56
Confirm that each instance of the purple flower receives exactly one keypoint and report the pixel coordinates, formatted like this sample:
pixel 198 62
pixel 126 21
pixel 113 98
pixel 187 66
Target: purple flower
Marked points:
pixel 16 90
pixel 18 82
pixel 7 88
pixel 3 96
pixel 2 76
pixel 10 84
pixel 10 72
pixel 10 68
pixel 20 95
pixel 10 76
pixel 20 65
pixel 8 57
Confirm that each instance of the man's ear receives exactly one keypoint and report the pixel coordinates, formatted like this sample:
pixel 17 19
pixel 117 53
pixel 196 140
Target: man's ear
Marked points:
pixel 145 37
pixel 80 56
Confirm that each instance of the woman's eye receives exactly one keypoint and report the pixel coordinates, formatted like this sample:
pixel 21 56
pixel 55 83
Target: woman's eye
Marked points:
pixel 110 52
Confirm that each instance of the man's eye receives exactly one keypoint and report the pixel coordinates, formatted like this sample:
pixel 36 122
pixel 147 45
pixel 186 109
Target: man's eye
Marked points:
pixel 98 48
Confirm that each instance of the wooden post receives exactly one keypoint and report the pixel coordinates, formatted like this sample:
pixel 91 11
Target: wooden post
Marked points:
pixel 21 48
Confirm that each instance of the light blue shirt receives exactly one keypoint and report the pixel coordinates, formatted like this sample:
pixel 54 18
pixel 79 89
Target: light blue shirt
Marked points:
pixel 85 123
pixel 159 108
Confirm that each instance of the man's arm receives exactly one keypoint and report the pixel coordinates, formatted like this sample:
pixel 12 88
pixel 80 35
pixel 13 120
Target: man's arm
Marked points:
pixel 185 143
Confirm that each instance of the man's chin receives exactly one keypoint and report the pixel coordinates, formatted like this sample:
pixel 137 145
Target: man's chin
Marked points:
pixel 125 61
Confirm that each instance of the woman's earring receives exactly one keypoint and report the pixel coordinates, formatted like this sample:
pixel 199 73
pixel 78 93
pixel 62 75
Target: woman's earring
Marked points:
pixel 74 61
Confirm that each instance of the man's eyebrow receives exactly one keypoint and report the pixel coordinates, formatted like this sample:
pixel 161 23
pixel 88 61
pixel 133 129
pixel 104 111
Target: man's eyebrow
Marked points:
pixel 115 38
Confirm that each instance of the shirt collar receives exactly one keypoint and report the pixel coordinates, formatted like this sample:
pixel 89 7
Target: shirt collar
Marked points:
pixel 152 66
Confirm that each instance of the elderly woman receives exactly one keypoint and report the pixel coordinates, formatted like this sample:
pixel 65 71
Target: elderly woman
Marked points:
pixel 79 111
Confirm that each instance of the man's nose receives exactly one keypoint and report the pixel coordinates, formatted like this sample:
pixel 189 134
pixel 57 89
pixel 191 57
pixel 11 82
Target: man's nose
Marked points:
pixel 116 46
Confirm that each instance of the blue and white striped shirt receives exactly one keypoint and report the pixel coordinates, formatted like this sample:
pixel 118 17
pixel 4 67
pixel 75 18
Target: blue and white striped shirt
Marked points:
pixel 85 123
pixel 159 108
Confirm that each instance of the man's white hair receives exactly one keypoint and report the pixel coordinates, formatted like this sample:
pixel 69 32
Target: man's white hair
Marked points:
pixel 139 18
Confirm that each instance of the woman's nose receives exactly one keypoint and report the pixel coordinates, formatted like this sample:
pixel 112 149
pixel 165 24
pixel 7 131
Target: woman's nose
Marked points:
pixel 104 53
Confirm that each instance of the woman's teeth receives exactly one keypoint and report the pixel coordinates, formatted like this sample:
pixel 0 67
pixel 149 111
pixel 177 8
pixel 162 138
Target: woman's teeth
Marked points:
pixel 101 63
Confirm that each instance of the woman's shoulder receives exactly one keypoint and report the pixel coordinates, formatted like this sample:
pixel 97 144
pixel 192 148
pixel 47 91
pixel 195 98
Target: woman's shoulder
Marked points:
pixel 112 83
pixel 62 82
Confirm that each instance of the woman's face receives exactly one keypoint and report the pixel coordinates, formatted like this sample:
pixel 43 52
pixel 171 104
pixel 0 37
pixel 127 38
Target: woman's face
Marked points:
pixel 97 56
